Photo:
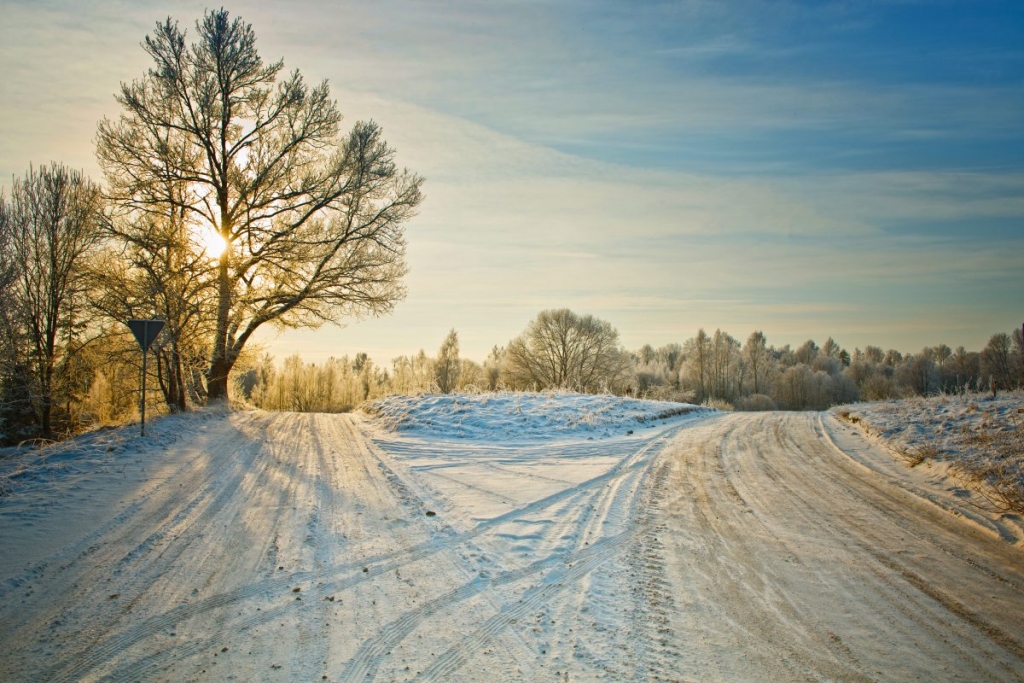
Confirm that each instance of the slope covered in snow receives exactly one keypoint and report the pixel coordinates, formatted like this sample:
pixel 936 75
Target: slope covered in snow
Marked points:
pixel 974 440
pixel 54 494
pixel 517 417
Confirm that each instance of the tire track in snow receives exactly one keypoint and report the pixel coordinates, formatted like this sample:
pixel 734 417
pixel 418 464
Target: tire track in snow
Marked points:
pixel 553 583
pixel 881 487
pixel 593 511
pixel 95 544
pixel 774 523
pixel 153 557
pixel 871 493
pixel 181 615
pixel 778 631
pixel 364 665
pixel 653 600
pixel 108 647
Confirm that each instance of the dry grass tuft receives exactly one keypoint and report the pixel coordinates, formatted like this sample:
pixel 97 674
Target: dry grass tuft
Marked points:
pixel 917 454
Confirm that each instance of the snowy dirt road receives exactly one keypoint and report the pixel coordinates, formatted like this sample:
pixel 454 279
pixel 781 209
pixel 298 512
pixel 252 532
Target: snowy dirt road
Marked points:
pixel 785 559
pixel 289 547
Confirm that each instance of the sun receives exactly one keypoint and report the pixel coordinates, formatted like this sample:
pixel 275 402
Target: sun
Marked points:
pixel 212 244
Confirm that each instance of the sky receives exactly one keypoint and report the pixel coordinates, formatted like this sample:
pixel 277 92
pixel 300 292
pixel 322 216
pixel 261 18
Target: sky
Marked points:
pixel 808 169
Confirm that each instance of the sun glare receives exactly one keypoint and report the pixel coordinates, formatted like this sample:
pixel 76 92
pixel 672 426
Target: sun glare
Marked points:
pixel 212 243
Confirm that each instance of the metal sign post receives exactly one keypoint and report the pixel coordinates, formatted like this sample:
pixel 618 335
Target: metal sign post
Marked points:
pixel 145 332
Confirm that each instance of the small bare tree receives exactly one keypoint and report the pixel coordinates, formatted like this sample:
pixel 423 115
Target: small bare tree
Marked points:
pixel 563 350
pixel 447 367
pixel 698 352
pixel 996 360
pixel 157 267
pixel 725 366
pixel 312 220
pixel 51 223
pixel 918 374
pixel 492 368
pixel 759 363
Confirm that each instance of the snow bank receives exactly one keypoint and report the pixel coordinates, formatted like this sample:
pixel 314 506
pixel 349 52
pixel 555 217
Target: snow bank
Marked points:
pixel 105 450
pixel 514 416
pixel 59 493
pixel 980 438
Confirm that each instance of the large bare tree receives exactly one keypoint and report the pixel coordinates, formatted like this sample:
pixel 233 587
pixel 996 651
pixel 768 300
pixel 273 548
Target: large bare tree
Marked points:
pixel 563 350
pixel 51 223
pixel 312 219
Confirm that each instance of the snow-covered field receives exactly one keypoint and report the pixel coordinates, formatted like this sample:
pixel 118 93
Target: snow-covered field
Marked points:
pixel 516 417
pixel 500 537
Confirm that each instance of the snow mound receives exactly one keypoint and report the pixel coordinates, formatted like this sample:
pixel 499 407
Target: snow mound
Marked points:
pixel 980 437
pixel 515 416
pixel 104 450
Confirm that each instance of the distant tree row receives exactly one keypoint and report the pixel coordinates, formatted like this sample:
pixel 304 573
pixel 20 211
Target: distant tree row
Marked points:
pixel 562 350
pixel 757 376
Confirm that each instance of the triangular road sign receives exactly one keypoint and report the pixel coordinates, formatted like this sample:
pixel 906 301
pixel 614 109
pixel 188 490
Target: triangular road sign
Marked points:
pixel 145 331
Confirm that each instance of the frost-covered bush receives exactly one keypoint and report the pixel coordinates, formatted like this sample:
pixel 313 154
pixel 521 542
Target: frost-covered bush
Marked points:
pixel 755 402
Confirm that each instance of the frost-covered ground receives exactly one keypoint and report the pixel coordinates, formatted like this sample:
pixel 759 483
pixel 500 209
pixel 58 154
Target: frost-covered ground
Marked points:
pixel 53 494
pixel 518 417
pixel 974 439
pixel 498 537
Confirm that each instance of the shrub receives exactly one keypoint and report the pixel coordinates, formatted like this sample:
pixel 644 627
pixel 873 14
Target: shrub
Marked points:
pixel 755 402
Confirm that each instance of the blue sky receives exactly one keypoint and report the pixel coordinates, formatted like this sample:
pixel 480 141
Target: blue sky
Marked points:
pixel 845 169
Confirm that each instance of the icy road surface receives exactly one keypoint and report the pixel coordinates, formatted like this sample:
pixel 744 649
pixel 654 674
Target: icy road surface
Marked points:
pixel 288 547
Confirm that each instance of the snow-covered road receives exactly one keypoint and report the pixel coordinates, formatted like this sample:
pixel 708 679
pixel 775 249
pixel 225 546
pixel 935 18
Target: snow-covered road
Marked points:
pixel 291 547
pixel 786 559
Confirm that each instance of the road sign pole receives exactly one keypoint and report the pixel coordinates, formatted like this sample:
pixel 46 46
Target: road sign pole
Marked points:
pixel 145 332
pixel 145 354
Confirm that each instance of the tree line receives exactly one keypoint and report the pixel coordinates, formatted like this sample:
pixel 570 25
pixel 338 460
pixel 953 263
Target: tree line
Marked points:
pixel 561 350
pixel 231 199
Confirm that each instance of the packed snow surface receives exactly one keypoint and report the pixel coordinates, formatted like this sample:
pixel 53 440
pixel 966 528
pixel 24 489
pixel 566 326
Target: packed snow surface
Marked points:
pixel 517 417
pixel 498 537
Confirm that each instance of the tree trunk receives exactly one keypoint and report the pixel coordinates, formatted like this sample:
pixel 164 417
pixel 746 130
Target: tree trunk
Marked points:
pixel 173 387
pixel 220 364
pixel 46 397
pixel 217 382
pixel 46 418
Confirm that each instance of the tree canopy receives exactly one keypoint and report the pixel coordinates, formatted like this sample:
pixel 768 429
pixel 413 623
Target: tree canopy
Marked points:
pixel 48 228
pixel 562 350
pixel 312 219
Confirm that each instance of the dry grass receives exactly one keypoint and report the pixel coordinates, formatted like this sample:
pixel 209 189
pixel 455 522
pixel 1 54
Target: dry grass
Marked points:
pixel 916 455
pixel 665 414
pixel 981 439
pixel 718 404
pixel 856 420
pixel 1001 473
